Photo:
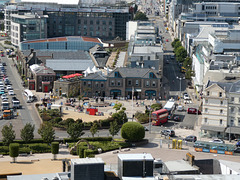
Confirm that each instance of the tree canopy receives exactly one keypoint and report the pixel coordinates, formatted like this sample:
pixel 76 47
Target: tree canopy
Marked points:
pixel 75 130
pixel 8 134
pixel 140 16
pixel 47 133
pixel 27 133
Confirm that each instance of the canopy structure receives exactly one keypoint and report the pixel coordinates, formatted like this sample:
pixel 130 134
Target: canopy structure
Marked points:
pixel 71 76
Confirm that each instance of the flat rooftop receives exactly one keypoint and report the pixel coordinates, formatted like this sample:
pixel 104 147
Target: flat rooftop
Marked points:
pixel 179 165
pixel 87 161
pixel 130 157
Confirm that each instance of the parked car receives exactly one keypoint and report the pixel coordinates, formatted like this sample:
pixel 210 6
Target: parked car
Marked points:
pixel 238 144
pixel 186 97
pixel 217 141
pixel 4 96
pixel 10 92
pixel 190 138
pixel 168 132
pixel 180 108
pixel 177 118
pixel 193 111
pixel 237 150
pixel 9 87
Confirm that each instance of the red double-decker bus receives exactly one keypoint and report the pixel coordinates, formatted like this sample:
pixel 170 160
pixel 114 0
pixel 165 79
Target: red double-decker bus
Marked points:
pixel 159 117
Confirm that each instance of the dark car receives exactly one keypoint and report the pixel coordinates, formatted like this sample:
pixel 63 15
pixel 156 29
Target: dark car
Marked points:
pixel 168 132
pixel 193 111
pixel 177 118
pixel 190 138
pixel 4 64
pixel 237 150
pixel 238 144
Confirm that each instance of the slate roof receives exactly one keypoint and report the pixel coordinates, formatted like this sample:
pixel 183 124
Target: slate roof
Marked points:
pixel 134 72
pixel 69 65
pixel 229 86
pixel 95 76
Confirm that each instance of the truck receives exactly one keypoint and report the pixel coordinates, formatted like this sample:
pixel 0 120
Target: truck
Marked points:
pixel 5 105
pixel 7 114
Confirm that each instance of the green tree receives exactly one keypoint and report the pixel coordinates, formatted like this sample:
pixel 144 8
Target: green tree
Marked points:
pixel 14 151
pixel 27 133
pixel 181 54
pixel 47 132
pixel 174 42
pixel 140 16
pixel 94 129
pixel 187 63
pixel 55 149
pixel 120 117
pixel 156 106
pixel 132 131
pixel 114 128
pixel 8 134
pixel 177 45
pixel 117 106
pixel 75 130
pixel 189 74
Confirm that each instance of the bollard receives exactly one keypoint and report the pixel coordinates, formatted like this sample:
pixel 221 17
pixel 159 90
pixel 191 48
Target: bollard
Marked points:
pixel 160 143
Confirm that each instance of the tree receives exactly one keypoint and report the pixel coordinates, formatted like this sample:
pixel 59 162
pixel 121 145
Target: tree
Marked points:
pixel 27 133
pixel 8 134
pixel 117 106
pixel 14 151
pixel 174 42
pixel 132 131
pixel 55 149
pixel 156 107
pixel 114 128
pixel 187 63
pixel 140 16
pixel 80 98
pixel 181 54
pixel 94 129
pixel 75 130
pixel 177 45
pixel 47 132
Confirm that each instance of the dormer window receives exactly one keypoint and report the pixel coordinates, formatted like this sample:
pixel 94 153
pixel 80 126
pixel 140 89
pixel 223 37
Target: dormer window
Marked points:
pixel 151 75
pixel 116 74
pixel 220 94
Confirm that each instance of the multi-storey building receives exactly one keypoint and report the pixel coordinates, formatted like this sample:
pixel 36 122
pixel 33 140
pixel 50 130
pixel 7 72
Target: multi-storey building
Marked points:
pixel 73 19
pixel 221 108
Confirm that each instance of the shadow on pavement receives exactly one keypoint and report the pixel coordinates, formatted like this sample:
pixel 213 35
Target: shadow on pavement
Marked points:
pixel 24 162
pixel 149 145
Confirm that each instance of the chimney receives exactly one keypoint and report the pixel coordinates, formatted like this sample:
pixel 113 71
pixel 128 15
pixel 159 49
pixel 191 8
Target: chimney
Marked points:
pixel 34 57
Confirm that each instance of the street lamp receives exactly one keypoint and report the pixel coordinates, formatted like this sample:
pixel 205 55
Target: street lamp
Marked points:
pixel 180 79
pixel 150 110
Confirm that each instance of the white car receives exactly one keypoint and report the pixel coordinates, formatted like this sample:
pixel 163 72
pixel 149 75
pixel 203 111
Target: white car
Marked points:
pixel 186 97
pixel 11 92
pixel 4 96
pixel 180 108
pixel 9 87
pixel 217 141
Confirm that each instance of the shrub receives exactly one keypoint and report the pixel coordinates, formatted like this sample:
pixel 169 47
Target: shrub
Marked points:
pixel 4 150
pixel 55 147
pixel 40 148
pixel 14 150
pixel 143 118
pixel 57 119
pixel 80 151
pixel 132 131
pixel 24 150
pixel 106 122
pixel 89 153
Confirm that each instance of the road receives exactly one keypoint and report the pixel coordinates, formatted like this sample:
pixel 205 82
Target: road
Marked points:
pixel 28 113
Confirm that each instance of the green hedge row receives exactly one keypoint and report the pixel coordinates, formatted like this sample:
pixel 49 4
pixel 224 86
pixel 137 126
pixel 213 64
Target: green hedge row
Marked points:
pixel 26 148
pixel 69 140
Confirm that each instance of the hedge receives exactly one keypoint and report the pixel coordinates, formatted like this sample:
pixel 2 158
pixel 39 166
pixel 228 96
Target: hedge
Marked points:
pixel 4 150
pixel 89 153
pixel 69 140
pixel 40 148
pixel 55 147
pixel 14 150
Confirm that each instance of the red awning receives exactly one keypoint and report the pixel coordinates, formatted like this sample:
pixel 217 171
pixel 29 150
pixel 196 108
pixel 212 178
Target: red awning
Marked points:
pixel 71 76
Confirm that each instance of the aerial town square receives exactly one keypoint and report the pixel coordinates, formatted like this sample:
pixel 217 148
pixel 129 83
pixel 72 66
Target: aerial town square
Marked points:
pixel 120 90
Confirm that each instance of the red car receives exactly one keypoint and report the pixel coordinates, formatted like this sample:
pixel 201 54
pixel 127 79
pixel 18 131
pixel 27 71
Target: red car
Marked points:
pixel 166 40
pixel 193 111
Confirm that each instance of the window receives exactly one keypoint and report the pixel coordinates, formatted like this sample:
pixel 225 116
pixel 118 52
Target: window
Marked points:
pixel 206 101
pixel 96 84
pixel 221 102
pixel 116 74
pixel 118 83
pixel 208 93
pixel 232 109
pixel 137 83
pixel 205 120
pixel 206 110
pixel 154 84
pixel 102 84
pixel 232 122
pixel 112 83
pixel 232 99
pixel 221 111
pixel 147 83
pixel 91 22
pixel 89 83
pixel 151 75
pixel 129 82
pixel 220 122
pixel 239 99
pixel 220 94
pixel 238 121
pixel 84 83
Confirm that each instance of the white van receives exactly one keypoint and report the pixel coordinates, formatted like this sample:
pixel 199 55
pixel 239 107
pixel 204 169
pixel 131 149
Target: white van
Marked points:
pixel 29 95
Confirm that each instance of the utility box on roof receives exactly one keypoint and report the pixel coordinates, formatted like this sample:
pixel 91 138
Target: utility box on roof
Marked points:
pixel 135 165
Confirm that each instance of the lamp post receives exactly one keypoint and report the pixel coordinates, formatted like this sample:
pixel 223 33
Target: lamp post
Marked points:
pixel 150 110
pixel 180 79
